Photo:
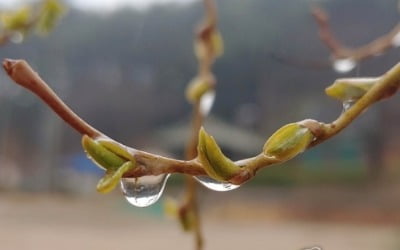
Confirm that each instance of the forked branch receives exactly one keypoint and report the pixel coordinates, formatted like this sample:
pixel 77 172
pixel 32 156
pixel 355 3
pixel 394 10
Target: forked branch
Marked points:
pixel 339 51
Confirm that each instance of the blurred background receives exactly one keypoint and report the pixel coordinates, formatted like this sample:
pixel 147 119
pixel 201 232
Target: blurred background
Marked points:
pixel 123 66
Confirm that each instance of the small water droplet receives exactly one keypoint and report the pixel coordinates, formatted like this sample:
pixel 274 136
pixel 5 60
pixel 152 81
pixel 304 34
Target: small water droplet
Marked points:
pixel 143 191
pixel 348 104
pixel 344 65
pixel 396 40
pixel 206 102
pixel 216 185
pixel 17 37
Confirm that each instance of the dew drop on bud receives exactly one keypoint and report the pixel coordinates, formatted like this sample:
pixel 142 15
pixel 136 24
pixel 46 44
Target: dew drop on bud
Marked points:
pixel 216 185
pixel 17 37
pixel 396 40
pixel 348 104
pixel 143 191
pixel 344 65
pixel 206 102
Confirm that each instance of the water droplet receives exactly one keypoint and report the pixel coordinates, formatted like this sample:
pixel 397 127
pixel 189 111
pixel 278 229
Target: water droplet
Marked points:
pixel 396 40
pixel 344 65
pixel 216 185
pixel 17 37
pixel 348 104
pixel 143 191
pixel 206 102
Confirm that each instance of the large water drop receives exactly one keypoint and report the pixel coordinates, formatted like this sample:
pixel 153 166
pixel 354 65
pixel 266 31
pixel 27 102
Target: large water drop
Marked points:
pixel 143 191
pixel 344 65
pixel 206 102
pixel 216 185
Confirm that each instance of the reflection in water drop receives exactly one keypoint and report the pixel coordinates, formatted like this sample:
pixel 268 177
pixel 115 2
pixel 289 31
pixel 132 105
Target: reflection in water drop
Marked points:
pixel 17 37
pixel 396 40
pixel 216 185
pixel 143 191
pixel 344 65
pixel 206 102
pixel 348 104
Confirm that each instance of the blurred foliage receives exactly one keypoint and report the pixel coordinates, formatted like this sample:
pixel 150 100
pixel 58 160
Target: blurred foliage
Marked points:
pixel 49 14
pixel 41 17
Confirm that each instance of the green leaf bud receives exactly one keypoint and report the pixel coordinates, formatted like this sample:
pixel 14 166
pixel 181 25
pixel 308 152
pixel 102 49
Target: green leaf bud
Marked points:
pixel 171 207
pixel 288 141
pixel 103 157
pixel 350 88
pixel 16 21
pixel 112 177
pixel 117 149
pixel 50 13
pixel 198 87
pixel 187 219
pixel 213 44
pixel 215 163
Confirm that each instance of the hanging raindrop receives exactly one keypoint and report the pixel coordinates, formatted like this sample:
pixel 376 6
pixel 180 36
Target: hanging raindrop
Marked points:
pixel 348 104
pixel 206 102
pixel 216 185
pixel 143 191
pixel 396 40
pixel 344 65
pixel 17 37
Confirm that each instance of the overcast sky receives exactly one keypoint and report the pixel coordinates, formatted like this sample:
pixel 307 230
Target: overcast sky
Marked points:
pixel 101 5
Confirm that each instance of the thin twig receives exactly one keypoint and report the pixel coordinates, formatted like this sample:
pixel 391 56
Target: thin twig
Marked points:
pixel 203 35
pixel 190 200
pixel 339 51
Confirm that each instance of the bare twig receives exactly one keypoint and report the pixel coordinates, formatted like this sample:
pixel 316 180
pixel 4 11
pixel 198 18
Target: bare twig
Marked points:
pixel 339 51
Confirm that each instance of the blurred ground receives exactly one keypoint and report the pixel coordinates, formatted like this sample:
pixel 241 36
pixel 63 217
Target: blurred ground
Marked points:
pixel 284 218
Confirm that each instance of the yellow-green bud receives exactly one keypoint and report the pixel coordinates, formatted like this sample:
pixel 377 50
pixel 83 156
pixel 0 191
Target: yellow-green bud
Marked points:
pixel 288 141
pixel 197 88
pixel 215 163
pixel 187 218
pixel 117 149
pixel 112 177
pixel 110 156
pixel 103 157
pixel 216 43
pixel 49 15
pixel 350 88
pixel 171 207
pixel 18 20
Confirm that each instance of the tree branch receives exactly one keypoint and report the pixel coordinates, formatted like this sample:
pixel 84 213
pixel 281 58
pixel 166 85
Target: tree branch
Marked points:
pixel 151 164
pixel 339 51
